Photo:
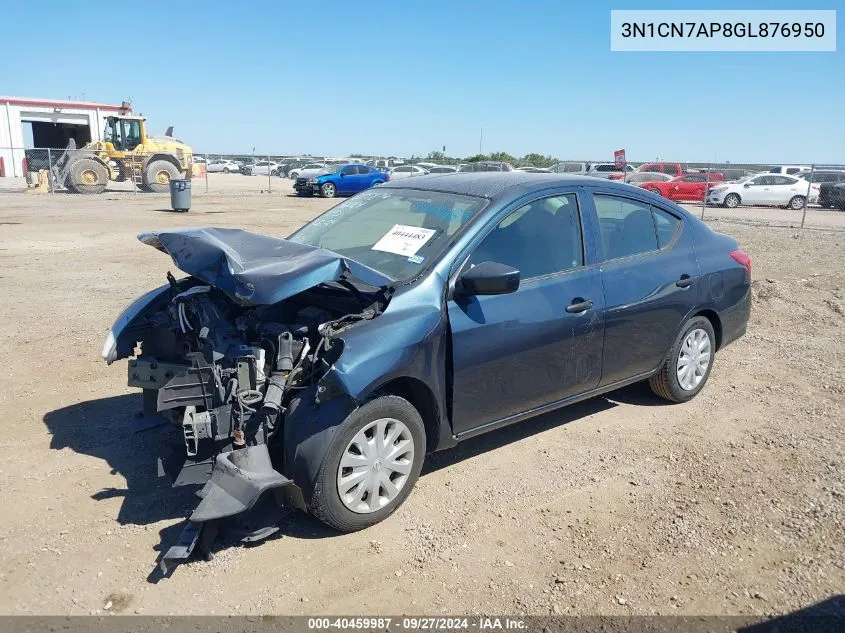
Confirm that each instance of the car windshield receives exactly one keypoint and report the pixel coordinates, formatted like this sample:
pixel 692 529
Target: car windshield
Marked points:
pixel 393 231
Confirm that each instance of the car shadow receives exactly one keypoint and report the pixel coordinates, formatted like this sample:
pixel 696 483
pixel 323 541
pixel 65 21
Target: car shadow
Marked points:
pixel 518 431
pixel 827 616
pixel 102 429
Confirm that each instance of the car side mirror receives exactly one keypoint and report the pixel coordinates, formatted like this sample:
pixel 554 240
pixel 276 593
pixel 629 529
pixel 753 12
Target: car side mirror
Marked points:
pixel 489 278
pixel 746 185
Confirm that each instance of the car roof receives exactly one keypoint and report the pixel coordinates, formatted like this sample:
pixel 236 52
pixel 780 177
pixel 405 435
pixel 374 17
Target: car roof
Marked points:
pixel 491 184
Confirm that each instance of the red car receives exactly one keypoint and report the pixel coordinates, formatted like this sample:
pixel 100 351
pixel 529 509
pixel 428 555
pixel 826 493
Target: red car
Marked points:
pixel 689 187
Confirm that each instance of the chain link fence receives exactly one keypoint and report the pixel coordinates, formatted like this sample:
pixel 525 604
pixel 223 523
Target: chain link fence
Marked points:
pixel 801 189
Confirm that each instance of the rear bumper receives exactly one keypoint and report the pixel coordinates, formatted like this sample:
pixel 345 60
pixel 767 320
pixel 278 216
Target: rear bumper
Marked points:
pixel 735 319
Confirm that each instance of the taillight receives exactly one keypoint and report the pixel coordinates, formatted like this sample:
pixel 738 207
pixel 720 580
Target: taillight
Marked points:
pixel 743 258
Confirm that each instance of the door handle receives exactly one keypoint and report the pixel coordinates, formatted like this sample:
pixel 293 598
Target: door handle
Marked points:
pixel 684 282
pixel 579 305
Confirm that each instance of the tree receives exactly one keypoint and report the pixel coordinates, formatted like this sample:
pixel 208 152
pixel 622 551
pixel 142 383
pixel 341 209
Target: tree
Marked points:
pixel 436 156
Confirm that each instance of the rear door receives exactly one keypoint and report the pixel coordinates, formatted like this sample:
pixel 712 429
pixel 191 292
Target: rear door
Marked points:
pixel 650 278
pixel 516 352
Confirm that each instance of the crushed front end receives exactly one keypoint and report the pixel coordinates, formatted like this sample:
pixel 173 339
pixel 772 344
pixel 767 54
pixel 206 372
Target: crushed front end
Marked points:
pixel 223 369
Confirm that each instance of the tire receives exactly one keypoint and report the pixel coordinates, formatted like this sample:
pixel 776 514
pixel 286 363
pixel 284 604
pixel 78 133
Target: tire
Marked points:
pixel 293 175
pixel 158 174
pixel 655 190
pixel 88 176
pixel 796 203
pixel 225 170
pixel 327 503
pixel 328 190
pixel 666 382
pixel 377 182
pixel 731 201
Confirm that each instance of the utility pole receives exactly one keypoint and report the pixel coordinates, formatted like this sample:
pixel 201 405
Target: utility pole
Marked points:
pixel 480 140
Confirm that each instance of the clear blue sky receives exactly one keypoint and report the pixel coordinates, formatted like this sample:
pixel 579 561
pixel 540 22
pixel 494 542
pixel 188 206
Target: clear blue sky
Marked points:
pixel 403 77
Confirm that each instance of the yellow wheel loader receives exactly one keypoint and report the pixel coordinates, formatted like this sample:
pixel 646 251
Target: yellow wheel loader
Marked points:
pixel 127 153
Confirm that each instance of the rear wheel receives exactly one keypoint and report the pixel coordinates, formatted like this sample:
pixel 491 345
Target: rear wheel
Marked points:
pixel 731 201
pixel 796 203
pixel 687 365
pixel 371 465
pixel 88 176
pixel 225 170
pixel 158 174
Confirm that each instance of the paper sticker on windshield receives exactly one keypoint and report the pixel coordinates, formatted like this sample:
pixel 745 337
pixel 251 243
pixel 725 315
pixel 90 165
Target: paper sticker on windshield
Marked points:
pixel 404 240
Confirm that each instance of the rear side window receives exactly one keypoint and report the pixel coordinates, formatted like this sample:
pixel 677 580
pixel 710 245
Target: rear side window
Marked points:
pixel 666 224
pixel 783 180
pixel 626 226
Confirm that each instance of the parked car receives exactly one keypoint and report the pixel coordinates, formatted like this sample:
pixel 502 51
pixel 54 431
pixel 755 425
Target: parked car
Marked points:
pixel 673 169
pixel 345 180
pixel 832 195
pixel 224 166
pixel 385 164
pixel 322 368
pixel 294 163
pixel 407 171
pixel 443 169
pixel 822 175
pixel 637 177
pixel 609 171
pixel 310 169
pixel 485 165
pixel 790 170
pixel 426 166
pixel 569 167
pixel 262 168
pixel 687 188
pixel 764 190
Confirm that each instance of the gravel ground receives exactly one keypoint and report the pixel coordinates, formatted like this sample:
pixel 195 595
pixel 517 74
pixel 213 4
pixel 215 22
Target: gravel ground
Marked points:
pixel 730 504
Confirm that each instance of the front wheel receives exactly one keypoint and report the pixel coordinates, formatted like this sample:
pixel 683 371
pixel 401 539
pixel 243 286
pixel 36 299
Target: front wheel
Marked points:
pixel 687 365
pixel 328 190
pixel 731 201
pixel 370 466
pixel 655 190
pixel 796 203
pixel 225 170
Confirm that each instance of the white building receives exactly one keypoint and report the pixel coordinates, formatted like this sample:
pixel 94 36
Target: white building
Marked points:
pixel 50 123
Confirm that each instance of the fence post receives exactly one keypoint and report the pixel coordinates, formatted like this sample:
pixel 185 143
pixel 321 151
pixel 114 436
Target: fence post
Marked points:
pixel 50 172
pixel 807 197
pixel 206 173
pixel 706 190
pixel 269 177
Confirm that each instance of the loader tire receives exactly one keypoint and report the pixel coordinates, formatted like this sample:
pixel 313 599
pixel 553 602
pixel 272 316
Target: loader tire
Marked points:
pixel 158 174
pixel 87 175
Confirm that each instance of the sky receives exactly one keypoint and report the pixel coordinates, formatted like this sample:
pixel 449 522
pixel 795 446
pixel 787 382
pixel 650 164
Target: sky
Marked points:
pixel 402 78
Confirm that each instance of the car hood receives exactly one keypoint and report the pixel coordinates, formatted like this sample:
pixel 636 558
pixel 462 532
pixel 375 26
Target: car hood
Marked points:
pixel 315 173
pixel 253 269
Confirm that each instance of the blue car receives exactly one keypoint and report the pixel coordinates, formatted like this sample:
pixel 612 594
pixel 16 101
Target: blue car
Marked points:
pixel 343 181
pixel 414 316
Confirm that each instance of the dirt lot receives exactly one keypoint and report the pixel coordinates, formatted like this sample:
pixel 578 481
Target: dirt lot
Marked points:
pixel 732 503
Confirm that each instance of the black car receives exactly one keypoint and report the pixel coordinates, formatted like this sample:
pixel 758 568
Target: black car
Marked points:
pixel 832 195
pixel 413 316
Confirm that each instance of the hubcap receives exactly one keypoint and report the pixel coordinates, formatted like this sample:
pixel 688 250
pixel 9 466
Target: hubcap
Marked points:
pixel 693 359
pixel 731 201
pixel 162 177
pixel 329 189
pixel 375 466
pixel 89 177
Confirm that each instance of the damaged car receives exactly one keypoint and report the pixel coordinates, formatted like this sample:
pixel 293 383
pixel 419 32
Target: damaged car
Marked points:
pixel 318 371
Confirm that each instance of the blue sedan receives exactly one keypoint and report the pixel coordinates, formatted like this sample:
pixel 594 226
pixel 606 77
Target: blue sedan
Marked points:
pixel 415 316
pixel 341 181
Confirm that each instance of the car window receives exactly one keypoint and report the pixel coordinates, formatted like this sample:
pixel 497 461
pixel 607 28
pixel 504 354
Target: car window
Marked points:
pixel 695 179
pixel 605 167
pixel 540 238
pixel 783 180
pixel 626 226
pixel 793 170
pixel 666 225
pixel 347 171
pixel 760 180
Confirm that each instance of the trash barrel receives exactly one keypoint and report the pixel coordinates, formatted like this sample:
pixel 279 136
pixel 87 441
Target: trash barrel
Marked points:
pixel 180 194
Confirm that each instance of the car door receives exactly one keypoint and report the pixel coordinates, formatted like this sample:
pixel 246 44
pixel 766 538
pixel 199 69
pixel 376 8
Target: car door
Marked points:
pixel 757 190
pixel 690 187
pixel 346 180
pixel 784 188
pixel 361 178
pixel 649 276
pixel 516 352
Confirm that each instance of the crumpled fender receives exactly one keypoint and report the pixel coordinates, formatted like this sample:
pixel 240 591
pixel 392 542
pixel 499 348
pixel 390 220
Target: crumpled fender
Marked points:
pixel 237 481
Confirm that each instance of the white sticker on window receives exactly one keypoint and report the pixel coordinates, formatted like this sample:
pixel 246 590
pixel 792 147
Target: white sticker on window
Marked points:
pixel 404 240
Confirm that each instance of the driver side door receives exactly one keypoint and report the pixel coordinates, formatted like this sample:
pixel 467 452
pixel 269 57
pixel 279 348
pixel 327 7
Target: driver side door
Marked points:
pixel 346 179
pixel 516 352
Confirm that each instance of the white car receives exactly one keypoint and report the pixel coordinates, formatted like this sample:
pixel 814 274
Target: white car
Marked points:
pixel 406 171
pixel 305 171
pixel 765 190
pixel 263 168
pixel 789 170
pixel 222 166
